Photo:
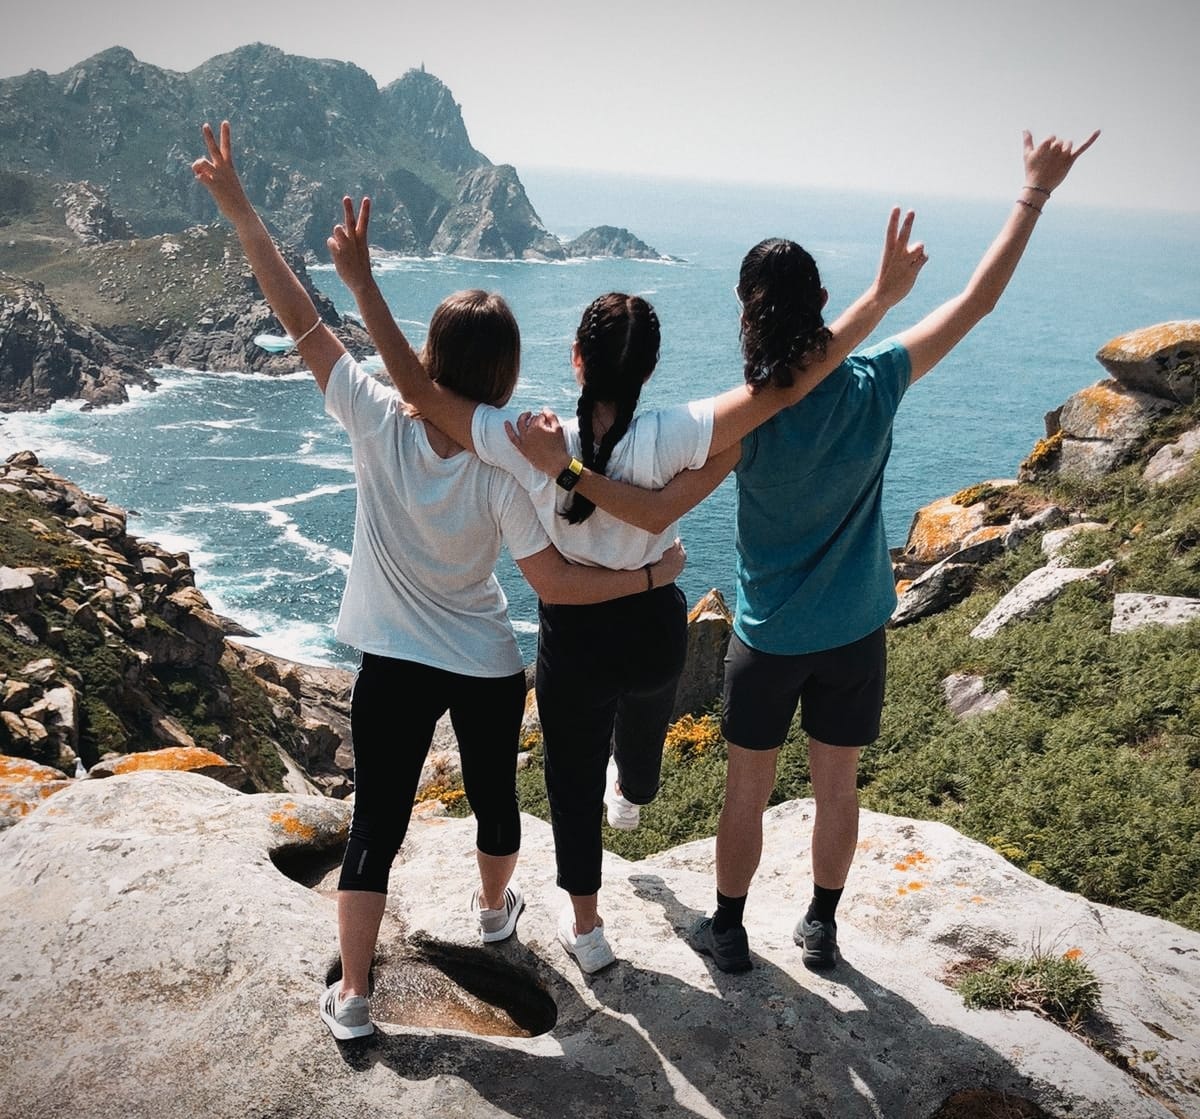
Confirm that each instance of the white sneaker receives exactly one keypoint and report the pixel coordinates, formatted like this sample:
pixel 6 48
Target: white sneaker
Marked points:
pixel 591 951
pixel 499 924
pixel 346 1018
pixel 622 814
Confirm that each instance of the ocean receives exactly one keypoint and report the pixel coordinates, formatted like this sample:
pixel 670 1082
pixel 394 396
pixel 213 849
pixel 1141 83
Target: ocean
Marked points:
pixel 248 475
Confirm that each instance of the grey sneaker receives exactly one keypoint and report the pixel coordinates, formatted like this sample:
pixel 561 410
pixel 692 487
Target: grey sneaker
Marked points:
pixel 592 951
pixel 819 941
pixel 346 1018
pixel 499 924
pixel 729 950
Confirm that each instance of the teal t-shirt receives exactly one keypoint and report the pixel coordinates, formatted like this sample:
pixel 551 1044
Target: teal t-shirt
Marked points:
pixel 813 566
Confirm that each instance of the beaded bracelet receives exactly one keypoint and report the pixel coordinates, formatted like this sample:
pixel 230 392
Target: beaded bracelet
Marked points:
pixel 1036 209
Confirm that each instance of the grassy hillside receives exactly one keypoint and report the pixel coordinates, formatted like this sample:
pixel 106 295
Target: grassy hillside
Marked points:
pixel 1089 778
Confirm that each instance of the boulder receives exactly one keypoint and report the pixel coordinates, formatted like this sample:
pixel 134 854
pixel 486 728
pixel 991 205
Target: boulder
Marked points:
pixel 1163 360
pixel 17 592
pixel 162 924
pixel 1057 539
pixel 180 759
pixel 1102 425
pixel 1171 461
pixel 709 625
pixel 1039 588
pixel 24 784
pixel 967 695
pixel 1133 611
pixel 941 586
pixel 939 529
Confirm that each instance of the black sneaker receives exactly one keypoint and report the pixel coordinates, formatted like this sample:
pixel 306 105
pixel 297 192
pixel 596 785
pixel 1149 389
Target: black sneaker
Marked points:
pixel 729 950
pixel 819 941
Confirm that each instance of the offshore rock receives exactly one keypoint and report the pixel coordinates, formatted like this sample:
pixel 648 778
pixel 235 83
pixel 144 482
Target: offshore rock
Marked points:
pixel 1163 360
pixel 611 241
pixel 151 918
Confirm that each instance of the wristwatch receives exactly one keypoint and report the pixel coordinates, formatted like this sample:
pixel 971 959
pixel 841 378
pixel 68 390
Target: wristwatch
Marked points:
pixel 570 475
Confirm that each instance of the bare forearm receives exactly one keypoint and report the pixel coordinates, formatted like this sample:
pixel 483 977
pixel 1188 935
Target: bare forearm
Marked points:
pixel 656 510
pixel 280 285
pixel 998 264
pixel 575 585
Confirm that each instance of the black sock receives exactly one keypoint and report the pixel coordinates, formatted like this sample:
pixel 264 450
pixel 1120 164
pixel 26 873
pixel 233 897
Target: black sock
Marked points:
pixel 729 912
pixel 823 906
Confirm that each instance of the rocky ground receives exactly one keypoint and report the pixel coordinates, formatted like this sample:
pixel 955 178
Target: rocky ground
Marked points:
pixel 177 955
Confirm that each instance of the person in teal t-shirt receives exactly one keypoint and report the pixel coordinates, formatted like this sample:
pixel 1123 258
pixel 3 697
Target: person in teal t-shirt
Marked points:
pixel 815 585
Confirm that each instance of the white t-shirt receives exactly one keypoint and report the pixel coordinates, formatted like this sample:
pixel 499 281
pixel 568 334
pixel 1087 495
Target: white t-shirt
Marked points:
pixel 427 532
pixel 657 446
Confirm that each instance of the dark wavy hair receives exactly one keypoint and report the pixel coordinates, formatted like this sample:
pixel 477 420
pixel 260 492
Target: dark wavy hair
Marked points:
pixel 474 346
pixel 782 328
pixel 618 341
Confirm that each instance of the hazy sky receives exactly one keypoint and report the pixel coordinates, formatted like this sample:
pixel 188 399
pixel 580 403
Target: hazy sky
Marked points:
pixel 927 96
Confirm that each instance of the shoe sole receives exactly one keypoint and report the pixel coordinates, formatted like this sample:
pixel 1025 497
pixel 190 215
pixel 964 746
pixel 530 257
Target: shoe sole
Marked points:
pixel 509 927
pixel 621 824
pixel 340 1032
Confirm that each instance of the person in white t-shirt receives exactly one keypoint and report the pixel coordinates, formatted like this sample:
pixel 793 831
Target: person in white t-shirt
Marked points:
pixel 607 674
pixel 421 602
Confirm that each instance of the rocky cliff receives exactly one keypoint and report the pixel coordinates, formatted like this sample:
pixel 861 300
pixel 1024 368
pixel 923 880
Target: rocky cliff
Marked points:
pixel 308 131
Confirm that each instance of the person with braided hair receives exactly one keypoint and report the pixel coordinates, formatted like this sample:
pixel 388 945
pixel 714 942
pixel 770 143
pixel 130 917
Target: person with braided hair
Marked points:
pixel 814 576
pixel 607 673
pixel 422 603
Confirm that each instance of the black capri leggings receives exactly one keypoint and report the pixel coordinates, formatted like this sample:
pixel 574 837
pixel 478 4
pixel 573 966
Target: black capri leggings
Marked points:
pixel 606 680
pixel 393 710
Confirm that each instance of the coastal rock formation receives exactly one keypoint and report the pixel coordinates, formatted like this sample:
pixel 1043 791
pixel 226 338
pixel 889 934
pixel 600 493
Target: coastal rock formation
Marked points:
pixel 967 695
pixel 45 356
pixel 1162 360
pixel 491 218
pixel 609 241
pixel 88 214
pixel 1102 424
pixel 308 131
pixel 182 920
pixel 109 649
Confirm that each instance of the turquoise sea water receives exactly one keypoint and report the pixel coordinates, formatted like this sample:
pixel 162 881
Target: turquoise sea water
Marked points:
pixel 250 476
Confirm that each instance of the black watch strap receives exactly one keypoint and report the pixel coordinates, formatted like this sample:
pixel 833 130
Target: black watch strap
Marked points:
pixel 570 475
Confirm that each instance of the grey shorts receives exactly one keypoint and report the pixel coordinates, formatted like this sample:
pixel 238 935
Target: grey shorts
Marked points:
pixel 839 692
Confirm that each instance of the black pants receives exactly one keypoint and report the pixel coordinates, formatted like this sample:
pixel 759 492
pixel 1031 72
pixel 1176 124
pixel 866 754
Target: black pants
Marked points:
pixel 393 710
pixel 606 680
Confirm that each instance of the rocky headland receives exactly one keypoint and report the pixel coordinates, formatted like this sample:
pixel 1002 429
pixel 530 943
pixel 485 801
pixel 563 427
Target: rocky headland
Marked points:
pixel 1033 797
pixel 112 259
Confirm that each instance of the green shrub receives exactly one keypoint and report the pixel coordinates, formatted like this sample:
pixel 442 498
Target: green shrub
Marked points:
pixel 1058 987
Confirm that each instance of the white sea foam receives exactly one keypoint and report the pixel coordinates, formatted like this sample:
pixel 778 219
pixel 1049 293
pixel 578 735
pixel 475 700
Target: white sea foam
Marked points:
pixel 520 626
pixel 290 531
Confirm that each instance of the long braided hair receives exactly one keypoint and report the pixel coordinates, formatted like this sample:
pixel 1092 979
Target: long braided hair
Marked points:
pixel 618 340
pixel 782 328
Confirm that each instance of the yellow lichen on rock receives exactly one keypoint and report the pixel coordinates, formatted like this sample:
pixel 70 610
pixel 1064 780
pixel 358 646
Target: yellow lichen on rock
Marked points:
pixel 1138 345
pixel 939 528
pixel 286 819
pixel 173 758
pixel 1044 452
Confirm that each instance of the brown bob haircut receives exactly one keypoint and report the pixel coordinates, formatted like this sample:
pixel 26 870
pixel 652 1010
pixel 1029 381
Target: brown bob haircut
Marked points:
pixel 474 346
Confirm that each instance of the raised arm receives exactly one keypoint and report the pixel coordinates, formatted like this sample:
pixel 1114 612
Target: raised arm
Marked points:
pixel 571 584
pixel 1046 166
pixel 445 409
pixel 317 344
pixel 740 410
